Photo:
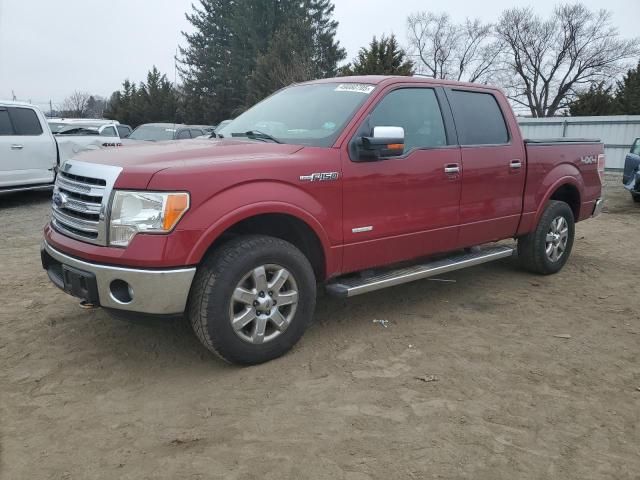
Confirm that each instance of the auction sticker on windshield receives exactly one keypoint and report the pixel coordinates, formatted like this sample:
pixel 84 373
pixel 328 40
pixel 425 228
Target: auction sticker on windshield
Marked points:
pixel 355 87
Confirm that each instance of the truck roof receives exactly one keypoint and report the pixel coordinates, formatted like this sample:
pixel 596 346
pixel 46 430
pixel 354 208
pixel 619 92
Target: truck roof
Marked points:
pixel 12 103
pixel 387 79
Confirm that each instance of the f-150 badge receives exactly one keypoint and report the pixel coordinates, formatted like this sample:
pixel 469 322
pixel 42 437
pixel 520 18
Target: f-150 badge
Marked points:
pixel 320 177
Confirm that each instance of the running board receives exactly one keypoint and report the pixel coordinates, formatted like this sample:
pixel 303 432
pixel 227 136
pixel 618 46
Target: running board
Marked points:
pixel 352 286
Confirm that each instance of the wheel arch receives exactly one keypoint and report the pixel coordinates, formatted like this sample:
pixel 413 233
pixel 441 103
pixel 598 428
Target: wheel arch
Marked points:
pixel 564 183
pixel 276 219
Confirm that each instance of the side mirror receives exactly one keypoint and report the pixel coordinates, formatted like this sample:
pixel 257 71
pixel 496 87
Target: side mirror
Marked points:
pixel 385 142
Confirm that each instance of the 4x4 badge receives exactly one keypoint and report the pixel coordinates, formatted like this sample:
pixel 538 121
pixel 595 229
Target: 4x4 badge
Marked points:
pixel 320 177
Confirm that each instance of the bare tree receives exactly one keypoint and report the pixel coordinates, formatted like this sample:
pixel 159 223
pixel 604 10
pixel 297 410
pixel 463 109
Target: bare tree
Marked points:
pixel 76 105
pixel 548 61
pixel 444 49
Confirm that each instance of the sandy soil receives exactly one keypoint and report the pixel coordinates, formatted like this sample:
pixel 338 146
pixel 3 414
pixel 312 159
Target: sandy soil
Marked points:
pixel 468 380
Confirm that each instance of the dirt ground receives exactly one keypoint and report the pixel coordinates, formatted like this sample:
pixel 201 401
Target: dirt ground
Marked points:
pixel 468 379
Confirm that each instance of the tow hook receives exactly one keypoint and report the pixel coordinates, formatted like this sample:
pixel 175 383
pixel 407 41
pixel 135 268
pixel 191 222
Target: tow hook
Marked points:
pixel 87 305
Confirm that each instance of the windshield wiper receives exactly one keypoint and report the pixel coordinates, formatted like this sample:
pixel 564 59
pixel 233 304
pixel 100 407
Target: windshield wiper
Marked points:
pixel 256 135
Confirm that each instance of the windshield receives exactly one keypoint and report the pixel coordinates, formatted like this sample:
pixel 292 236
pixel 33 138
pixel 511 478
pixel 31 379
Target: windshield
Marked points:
pixel 153 133
pixel 303 114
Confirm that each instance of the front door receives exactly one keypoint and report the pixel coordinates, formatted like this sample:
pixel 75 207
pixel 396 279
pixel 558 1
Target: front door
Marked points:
pixel 405 207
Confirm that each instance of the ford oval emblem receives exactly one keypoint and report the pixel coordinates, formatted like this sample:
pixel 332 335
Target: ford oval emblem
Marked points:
pixel 59 199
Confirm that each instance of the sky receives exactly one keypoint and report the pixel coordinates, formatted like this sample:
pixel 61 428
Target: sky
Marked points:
pixel 50 48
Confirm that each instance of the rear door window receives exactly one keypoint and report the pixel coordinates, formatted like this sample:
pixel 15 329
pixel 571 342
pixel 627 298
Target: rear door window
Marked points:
pixel 478 118
pixel 183 134
pixel 195 133
pixel 5 123
pixel 25 121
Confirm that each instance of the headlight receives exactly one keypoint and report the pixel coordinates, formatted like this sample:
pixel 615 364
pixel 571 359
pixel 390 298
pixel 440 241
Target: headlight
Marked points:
pixel 144 212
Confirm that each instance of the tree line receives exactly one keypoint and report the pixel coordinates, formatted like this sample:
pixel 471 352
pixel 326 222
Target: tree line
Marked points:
pixel 240 51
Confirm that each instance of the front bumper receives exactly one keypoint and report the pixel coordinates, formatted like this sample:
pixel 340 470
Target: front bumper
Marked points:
pixel 158 292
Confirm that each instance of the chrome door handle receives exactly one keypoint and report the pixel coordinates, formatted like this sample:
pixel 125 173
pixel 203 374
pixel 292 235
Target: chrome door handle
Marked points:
pixel 452 168
pixel 17 147
pixel 515 164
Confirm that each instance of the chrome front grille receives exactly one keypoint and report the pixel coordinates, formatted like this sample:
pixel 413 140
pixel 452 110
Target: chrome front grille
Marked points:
pixel 81 200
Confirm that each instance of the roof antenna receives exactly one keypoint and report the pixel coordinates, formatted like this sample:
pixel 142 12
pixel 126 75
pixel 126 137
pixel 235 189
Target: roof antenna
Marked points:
pixel 175 87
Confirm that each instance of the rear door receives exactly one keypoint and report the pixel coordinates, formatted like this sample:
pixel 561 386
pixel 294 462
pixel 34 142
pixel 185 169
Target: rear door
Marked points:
pixel 493 166
pixel 27 152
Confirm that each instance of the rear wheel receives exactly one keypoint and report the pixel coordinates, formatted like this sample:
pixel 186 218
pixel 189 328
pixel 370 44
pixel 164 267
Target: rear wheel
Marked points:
pixel 636 197
pixel 252 299
pixel 547 248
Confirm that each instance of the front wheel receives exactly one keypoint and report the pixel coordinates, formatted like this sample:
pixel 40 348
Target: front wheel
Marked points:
pixel 252 299
pixel 547 248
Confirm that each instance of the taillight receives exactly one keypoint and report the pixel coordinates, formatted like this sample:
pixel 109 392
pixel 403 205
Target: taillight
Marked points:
pixel 601 165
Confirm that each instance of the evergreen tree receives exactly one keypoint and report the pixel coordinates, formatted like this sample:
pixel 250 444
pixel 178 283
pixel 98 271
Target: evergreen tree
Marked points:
pixel 327 52
pixel 598 100
pixel 254 25
pixel 205 64
pixel 238 52
pixel 155 100
pixel 286 61
pixel 383 57
pixel 628 93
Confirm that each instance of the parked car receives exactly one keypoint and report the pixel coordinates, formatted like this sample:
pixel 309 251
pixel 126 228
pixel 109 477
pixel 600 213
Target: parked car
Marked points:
pixel 28 153
pixel 631 175
pixel 357 183
pixel 89 135
pixel 157 132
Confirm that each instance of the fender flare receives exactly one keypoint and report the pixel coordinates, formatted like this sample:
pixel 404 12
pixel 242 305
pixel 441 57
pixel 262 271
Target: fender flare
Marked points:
pixel 565 179
pixel 242 211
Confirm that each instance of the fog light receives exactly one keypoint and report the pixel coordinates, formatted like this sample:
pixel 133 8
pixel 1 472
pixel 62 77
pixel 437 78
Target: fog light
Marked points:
pixel 121 291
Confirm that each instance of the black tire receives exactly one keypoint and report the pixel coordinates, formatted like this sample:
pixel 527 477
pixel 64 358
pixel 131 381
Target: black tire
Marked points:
pixel 532 247
pixel 636 197
pixel 212 292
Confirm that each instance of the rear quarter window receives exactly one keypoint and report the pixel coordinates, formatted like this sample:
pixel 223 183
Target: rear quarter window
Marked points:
pixel 478 118
pixel 25 121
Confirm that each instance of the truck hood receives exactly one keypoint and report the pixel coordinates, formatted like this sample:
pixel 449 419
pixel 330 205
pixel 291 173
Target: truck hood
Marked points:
pixel 141 161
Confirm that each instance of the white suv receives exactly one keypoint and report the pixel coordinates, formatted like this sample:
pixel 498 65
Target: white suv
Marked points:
pixel 28 152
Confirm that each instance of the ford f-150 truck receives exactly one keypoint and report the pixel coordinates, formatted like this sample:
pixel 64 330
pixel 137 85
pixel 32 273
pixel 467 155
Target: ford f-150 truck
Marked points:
pixel 355 184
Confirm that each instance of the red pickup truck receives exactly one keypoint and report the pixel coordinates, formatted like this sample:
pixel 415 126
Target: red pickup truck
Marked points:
pixel 356 183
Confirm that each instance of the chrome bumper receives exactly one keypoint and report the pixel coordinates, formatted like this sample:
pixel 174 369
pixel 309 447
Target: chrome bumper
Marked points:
pixel 162 292
pixel 597 209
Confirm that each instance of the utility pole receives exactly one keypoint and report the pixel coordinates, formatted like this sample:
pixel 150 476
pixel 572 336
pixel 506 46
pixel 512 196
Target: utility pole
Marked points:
pixel 14 95
pixel 50 109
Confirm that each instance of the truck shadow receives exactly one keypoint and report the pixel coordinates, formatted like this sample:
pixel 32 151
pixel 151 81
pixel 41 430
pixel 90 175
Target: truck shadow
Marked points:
pixel 24 199
pixel 161 346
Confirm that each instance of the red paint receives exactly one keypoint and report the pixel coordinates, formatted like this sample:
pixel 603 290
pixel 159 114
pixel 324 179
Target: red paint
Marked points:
pixel 415 209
